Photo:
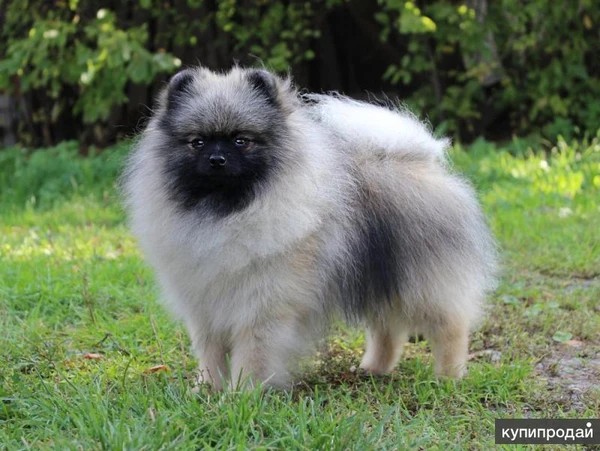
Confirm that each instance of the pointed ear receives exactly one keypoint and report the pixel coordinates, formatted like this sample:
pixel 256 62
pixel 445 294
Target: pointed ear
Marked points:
pixel 179 85
pixel 181 79
pixel 266 84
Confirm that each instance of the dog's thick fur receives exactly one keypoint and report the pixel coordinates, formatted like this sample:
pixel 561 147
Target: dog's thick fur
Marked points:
pixel 333 207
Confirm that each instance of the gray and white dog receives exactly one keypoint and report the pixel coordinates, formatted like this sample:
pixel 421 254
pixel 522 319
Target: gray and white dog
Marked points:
pixel 265 214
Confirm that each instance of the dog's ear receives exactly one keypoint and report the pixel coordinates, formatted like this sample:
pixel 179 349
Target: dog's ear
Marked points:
pixel 179 86
pixel 266 84
pixel 181 79
pixel 277 91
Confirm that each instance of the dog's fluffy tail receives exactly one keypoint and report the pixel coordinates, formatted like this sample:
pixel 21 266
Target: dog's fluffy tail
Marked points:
pixel 391 129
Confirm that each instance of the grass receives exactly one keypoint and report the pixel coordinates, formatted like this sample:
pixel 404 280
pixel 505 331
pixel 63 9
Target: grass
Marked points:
pixel 83 334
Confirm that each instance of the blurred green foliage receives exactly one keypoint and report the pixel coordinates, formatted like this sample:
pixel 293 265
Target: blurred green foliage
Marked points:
pixel 275 35
pixel 536 59
pixel 62 53
pixel 57 174
pixel 465 65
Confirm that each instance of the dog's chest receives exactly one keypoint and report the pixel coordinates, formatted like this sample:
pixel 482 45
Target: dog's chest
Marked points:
pixel 219 291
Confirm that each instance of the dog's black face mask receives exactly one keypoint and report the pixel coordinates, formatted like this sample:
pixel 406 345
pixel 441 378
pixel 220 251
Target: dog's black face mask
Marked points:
pixel 224 141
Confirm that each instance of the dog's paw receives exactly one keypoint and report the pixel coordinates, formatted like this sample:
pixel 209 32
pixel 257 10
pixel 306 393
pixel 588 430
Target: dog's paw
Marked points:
pixel 456 371
pixel 374 369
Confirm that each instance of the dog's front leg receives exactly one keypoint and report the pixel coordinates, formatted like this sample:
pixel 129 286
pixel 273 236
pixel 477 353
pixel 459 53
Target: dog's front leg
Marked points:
pixel 211 351
pixel 262 354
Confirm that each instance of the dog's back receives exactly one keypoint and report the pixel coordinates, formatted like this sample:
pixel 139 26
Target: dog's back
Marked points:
pixel 420 257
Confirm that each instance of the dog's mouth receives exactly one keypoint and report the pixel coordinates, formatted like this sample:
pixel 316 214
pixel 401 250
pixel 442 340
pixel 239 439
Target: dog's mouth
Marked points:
pixel 225 178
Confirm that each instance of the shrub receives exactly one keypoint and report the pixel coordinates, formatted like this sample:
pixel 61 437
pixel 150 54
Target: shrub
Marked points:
pixel 469 62
pixel 473 67
pixel 74 61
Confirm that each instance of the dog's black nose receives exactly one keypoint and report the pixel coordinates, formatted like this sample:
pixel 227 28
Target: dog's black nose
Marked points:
pixel 217 160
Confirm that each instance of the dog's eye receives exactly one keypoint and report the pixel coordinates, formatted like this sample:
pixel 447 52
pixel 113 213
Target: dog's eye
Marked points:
pixel 197 144
pixel 241 143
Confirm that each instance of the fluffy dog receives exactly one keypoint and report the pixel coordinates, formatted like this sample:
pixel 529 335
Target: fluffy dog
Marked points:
pixel 265 214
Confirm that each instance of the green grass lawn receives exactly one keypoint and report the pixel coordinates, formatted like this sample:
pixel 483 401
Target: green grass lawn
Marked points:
pixel 83 331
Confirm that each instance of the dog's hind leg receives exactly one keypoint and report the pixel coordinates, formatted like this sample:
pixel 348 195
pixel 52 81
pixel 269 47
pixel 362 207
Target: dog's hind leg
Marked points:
pixel 450 346
pixel 385 342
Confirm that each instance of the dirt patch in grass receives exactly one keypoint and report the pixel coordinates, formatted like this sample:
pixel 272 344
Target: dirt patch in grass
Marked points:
pixel 572 372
